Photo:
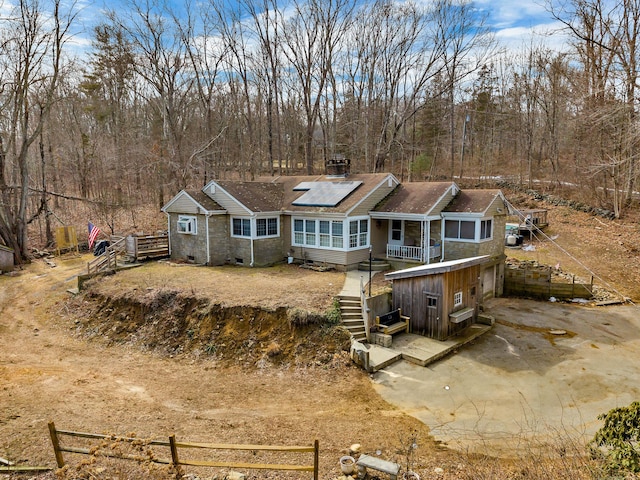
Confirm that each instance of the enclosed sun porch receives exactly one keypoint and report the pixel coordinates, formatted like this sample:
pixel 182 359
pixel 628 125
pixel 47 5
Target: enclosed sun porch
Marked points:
pixel 407 240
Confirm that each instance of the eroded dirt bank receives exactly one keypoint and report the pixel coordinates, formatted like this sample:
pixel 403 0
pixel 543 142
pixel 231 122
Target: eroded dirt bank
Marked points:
pixel 173 323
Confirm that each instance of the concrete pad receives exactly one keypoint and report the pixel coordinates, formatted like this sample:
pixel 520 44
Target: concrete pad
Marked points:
pixel 519 385
pixel 423 351
pixel 418 349
pixel 381 357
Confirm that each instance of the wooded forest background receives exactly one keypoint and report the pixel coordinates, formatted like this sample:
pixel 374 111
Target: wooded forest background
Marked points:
pixel 171 96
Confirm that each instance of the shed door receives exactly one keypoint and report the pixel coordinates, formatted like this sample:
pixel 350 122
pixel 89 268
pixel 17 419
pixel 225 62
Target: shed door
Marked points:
pixel 431 320
pixel 488 283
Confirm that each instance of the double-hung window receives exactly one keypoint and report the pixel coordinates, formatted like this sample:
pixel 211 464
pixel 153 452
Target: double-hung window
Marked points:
pixel 358 233
pixel 241 227
pixel 187 224
pixel 305 232
pixel 486 231
pixel 330 234
pixel 266 227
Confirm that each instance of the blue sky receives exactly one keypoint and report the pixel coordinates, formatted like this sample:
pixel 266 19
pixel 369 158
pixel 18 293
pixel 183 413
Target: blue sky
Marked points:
pixel 517 24
pixel 522 23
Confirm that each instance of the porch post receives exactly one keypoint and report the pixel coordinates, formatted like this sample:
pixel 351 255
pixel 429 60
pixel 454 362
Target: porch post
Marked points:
pixel 428 249
pixel 442 236
pixel 422 238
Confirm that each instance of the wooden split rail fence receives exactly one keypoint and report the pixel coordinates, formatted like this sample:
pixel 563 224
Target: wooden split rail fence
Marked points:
pixel 174 446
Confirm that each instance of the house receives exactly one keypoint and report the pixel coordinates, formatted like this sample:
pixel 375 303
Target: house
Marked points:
pixel 335 220
pixel 322 219
pixel 440 299
pixel 436 221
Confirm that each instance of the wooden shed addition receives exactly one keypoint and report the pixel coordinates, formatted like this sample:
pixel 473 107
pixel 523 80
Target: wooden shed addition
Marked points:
pixel 441 299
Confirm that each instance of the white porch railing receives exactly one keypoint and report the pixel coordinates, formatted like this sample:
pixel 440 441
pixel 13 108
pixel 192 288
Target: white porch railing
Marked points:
pixel 406 252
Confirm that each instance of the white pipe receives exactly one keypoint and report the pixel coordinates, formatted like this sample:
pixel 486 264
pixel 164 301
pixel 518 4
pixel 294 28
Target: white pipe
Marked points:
pixel 208 249
pixel 169 231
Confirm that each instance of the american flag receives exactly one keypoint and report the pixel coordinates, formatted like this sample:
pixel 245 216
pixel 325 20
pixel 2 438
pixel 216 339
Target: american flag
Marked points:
pixel 93 234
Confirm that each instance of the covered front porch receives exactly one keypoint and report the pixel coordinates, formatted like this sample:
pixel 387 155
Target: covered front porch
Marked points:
pixel 407 240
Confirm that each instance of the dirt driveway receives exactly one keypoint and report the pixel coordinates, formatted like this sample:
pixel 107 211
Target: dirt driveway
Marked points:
pixel 48 373
pixel 519 381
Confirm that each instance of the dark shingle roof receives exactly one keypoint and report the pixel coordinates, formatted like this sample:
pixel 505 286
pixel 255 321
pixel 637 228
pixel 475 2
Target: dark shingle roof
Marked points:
pixel 289 195
pixel 204 200
pixel 414 197
pixel 472 201
pixel 256 196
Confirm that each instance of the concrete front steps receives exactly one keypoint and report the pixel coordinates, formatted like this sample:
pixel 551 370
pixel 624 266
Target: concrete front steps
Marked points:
pixel 351 314
pixel 376 266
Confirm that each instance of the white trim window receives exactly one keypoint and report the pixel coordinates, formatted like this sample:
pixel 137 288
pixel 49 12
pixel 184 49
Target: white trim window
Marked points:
pixel 267 227
pixel 330 234
pixel 468 230
pixel 187 224
pixel 358 233
pixel 486 229
pixel 460 229
pixel 241 227
pixel 457 299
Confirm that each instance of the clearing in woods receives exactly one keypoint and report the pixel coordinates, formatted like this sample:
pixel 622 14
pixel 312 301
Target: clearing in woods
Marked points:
pixel 60 360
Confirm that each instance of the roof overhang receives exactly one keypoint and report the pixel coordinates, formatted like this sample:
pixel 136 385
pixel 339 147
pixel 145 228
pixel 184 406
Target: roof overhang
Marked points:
pixel 437 268
pixel 418 217
pixel 202 210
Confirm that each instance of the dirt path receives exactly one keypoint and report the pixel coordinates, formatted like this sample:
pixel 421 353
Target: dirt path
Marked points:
pixel 48 374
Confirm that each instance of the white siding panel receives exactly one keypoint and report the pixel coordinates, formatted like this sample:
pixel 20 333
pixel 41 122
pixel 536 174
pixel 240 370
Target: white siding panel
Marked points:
pixel 444 201
pixel 183 204
pixel 230 204
pixel 373 199
pixel 496 205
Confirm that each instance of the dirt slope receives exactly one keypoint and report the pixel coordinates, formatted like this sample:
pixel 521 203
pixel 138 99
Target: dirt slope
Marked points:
pixel 48 373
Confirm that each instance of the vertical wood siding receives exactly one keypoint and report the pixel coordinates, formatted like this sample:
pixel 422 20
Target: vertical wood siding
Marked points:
pixel 411 294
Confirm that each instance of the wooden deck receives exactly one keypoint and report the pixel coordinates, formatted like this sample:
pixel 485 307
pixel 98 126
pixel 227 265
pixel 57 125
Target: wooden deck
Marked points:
pixel 532 221
pixel 130 249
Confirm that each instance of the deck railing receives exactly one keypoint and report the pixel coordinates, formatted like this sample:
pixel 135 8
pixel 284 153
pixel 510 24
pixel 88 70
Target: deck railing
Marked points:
pixel 408 252
pixel 108 259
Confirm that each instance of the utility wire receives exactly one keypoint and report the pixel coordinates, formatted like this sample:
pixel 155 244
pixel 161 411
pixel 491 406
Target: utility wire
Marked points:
pixel 535 231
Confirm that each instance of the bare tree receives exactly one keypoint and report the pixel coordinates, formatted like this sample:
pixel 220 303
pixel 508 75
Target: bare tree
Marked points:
pixel 312 36
pixel 605 36
pixel 31 61
pixel 161 62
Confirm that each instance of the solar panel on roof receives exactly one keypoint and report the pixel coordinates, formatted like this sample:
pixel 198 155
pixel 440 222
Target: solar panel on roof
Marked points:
pixel 324 194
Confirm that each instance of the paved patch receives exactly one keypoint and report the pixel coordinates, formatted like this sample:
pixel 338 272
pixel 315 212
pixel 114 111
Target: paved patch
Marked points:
pixel 520 382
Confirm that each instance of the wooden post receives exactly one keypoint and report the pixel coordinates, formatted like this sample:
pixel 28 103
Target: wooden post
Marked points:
pixel 316 455
pixel 175 461
pixel 56 445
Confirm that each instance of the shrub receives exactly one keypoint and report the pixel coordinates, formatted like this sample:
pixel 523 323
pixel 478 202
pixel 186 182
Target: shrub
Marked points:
pixel 618 438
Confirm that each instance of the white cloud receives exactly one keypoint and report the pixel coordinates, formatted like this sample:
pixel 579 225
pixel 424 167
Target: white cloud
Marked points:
pixel 507 13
